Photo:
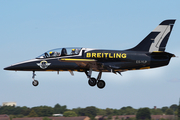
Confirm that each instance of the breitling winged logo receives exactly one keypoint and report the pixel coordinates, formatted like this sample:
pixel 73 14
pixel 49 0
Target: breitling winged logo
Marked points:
pixel 43 64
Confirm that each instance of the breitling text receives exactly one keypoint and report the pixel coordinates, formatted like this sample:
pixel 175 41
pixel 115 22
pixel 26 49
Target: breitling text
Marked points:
pixel 106 55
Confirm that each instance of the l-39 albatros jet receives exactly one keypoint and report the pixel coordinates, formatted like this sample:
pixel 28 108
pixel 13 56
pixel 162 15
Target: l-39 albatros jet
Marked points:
pixel 149 53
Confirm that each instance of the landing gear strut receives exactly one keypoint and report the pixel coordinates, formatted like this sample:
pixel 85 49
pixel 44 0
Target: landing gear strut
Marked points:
pixel 92 81
pixel 34 82
pixel 101 84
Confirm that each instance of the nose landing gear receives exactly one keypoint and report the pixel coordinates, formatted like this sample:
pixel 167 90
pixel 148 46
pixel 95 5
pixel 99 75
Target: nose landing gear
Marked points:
pixel 34 82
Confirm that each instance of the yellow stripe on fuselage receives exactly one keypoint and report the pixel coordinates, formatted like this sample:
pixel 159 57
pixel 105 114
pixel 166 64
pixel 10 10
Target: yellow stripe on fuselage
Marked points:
pixel 71 59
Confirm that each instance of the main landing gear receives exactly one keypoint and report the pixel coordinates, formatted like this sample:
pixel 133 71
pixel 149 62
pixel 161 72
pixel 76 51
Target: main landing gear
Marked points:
pixel 34 82
pixel 93 81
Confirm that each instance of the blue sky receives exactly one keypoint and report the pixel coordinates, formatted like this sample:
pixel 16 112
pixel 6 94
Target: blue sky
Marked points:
pixel 29 28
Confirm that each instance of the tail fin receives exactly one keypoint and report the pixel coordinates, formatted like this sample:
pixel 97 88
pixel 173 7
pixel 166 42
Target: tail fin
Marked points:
pixel 157 39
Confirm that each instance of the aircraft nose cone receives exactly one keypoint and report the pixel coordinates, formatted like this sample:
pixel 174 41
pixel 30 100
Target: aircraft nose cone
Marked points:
pixel 28 65
pixel 6 68
pixel 12 67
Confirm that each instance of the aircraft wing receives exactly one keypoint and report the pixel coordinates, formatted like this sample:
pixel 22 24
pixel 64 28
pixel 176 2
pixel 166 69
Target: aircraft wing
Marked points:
pixel 84 63
pixel 91 63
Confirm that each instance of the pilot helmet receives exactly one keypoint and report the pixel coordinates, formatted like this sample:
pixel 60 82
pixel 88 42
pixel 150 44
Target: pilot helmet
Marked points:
pixel 50 52
pixel 73 50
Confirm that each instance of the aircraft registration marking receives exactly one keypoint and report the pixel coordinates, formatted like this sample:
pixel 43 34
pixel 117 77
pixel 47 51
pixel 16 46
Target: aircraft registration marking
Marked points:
pixel 141 61
pixel 106 55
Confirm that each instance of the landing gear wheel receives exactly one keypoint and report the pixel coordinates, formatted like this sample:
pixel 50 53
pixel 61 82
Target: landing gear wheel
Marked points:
pixel 101 84
pixel 35 82
pixel 92 82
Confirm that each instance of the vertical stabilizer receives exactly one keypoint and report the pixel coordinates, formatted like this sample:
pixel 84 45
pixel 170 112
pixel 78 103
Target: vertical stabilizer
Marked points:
pixel 157 39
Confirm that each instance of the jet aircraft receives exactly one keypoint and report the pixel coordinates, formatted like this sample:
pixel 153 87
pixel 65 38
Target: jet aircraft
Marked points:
pixel 149 53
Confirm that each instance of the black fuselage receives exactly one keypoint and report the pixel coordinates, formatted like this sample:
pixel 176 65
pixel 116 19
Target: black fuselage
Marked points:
pixel 116 60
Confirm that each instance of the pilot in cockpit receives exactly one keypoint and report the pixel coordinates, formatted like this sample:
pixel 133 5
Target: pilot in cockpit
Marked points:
pixel 51 54
pixel 73 52
pixel 54 54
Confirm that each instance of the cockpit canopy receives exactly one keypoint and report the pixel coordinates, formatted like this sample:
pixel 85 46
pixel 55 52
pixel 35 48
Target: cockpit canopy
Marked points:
pixel 61 52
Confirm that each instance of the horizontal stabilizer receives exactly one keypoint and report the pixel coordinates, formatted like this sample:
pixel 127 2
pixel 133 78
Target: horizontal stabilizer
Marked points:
pixel 160 53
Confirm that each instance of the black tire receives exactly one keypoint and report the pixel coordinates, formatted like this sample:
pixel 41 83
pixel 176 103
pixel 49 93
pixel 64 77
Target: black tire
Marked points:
pixel 35 83
pixel 101 84
pixel 92 82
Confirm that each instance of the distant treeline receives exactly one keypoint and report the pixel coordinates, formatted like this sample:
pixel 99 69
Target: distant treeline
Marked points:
pixel 91 111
